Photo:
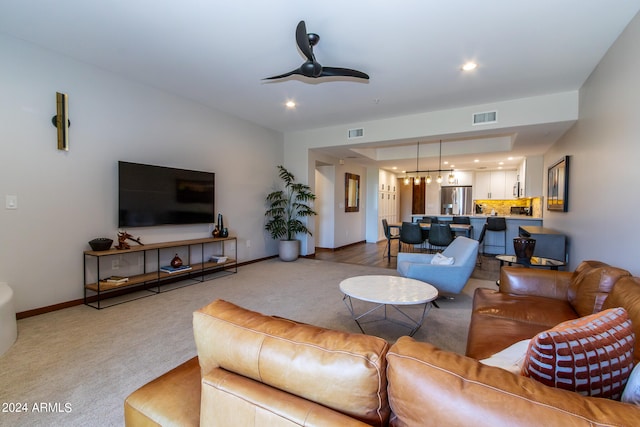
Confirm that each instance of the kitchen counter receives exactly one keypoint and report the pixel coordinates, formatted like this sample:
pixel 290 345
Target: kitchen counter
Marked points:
pixel 550 243
pixel 494 242
pixel 416 217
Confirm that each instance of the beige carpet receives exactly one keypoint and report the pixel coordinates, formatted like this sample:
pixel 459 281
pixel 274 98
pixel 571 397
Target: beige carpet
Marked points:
pixel 74 367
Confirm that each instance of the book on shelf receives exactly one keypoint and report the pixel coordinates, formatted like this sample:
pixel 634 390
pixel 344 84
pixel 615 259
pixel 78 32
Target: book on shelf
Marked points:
pixel 169 269
pixel 219 259
pixel 115 279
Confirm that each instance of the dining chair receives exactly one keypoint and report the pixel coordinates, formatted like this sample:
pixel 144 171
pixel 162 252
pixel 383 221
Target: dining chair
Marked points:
pixel 425 230
pixel 390 237
pixel 461 220
pixel 411 234
pixel 440 236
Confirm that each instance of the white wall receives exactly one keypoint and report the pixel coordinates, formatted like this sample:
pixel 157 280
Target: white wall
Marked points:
pixel 325 206
pixel 604 145
pixel 66 199
pixel 350 226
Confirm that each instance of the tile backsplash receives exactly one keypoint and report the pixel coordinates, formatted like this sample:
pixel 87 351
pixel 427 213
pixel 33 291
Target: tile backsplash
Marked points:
pixel 503 207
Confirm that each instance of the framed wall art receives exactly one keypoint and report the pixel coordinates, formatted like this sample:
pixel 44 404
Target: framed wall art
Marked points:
pixel 352 192
pixel 558 186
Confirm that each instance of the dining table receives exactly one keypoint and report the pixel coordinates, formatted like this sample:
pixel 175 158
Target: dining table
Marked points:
pixel 464 228
pixel 467 229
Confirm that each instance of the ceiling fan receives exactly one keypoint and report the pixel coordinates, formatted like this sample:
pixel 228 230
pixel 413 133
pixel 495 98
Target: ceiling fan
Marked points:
pixel 311 68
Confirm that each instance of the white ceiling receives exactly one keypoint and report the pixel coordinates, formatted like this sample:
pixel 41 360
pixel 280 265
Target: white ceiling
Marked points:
pixel 217 53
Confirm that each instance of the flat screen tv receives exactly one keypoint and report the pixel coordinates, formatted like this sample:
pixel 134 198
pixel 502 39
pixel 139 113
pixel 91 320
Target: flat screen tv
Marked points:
pixel 156 195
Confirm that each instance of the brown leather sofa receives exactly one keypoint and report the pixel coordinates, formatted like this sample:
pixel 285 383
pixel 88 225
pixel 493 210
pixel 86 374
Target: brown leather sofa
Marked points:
pixel 256 370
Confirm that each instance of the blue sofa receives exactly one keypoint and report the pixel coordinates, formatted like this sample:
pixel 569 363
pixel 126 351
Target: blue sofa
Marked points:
pixel 448 279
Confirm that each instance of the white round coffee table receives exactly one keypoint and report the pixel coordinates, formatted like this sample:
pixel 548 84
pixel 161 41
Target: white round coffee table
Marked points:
pixel 391 291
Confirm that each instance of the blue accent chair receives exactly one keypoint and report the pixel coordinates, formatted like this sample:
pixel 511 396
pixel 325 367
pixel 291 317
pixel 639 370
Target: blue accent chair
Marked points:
pixel 448 279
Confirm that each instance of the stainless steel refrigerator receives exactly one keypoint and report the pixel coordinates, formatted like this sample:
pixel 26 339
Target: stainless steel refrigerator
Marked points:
pixel 456 200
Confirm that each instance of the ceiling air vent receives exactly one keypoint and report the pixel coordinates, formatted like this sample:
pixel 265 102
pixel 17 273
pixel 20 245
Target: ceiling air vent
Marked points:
pixel 356 133
pixel 485 118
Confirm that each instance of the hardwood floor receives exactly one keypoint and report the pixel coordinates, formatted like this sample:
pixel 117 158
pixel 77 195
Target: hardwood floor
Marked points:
pixel 374 254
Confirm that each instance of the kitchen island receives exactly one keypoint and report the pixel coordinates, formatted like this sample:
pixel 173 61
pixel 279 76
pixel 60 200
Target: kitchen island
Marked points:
pixel 493 241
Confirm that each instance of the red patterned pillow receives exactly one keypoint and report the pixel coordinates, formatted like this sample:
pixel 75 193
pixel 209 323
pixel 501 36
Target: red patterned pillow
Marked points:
pixel 592 355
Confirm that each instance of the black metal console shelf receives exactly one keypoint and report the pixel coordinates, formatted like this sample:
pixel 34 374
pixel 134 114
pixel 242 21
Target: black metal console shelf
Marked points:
pixel 149 279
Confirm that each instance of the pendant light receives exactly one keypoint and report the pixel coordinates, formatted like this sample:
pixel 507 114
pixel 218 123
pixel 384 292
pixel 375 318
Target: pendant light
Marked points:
pixel 416 180
pixel 439 178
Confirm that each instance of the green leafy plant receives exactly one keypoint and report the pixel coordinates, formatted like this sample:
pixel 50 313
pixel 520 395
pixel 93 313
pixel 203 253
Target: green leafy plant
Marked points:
pixel 286 207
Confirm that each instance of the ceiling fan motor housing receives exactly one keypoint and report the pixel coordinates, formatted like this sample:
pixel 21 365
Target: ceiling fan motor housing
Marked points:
pixel 311 69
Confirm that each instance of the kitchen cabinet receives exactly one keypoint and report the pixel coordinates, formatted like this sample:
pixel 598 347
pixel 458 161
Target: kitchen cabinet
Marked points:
pixel 388 199
pixel 510 179
pixel 494 185
pixel 461 178
pixel 531 176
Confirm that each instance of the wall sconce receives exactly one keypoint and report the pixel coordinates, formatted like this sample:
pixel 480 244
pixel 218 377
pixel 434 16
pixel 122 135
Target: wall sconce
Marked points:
pixel 61 120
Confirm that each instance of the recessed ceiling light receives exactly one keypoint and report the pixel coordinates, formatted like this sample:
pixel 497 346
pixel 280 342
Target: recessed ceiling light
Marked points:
pixel 476 160
pixel 501 163
pixel 469 66
pixel 445 162
pixel 290 104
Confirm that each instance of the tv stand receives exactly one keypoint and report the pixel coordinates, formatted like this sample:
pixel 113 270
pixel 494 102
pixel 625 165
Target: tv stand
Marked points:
pixel 148 278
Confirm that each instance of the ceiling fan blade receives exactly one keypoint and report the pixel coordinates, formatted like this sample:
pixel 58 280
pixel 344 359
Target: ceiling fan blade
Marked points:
pixel 343 72
pixel 281 76
pixel 303 41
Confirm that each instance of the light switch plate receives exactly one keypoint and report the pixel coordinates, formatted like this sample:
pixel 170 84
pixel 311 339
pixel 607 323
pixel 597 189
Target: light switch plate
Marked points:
pixel 11 202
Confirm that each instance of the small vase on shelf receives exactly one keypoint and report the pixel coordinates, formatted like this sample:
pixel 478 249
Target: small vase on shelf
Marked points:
pixel 176 262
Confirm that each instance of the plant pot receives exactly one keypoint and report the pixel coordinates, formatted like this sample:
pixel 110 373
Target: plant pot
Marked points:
pixel 523 248
pixel 289 250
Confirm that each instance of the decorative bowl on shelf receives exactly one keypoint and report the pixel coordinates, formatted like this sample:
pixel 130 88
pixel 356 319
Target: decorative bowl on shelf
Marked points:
pixel 101 244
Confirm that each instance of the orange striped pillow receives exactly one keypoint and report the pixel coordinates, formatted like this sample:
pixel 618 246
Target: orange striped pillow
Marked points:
pixel 592 355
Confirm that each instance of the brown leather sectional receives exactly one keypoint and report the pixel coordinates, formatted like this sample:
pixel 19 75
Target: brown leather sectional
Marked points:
pixel 256 370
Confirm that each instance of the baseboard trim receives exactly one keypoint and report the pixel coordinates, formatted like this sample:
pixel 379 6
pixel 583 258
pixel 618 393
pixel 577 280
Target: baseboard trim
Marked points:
pixel 73 303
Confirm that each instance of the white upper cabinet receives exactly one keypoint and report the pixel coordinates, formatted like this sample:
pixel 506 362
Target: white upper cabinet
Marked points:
pixel 482 186
pixel 494 185
pixel 531 176
pixel 461 178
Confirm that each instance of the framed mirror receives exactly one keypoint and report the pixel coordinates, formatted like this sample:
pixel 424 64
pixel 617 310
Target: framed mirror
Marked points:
pixel 558 186
pixel 351 192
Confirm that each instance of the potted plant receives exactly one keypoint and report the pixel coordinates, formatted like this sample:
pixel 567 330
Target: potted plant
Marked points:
pixel 285 208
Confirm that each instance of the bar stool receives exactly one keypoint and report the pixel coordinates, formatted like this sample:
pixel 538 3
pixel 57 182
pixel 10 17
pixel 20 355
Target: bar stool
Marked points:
pixel 497 224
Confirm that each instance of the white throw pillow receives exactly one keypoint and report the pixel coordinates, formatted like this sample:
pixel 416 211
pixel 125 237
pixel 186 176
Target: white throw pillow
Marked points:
pixel 511 358
pixel 631 393
pixel 440 259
